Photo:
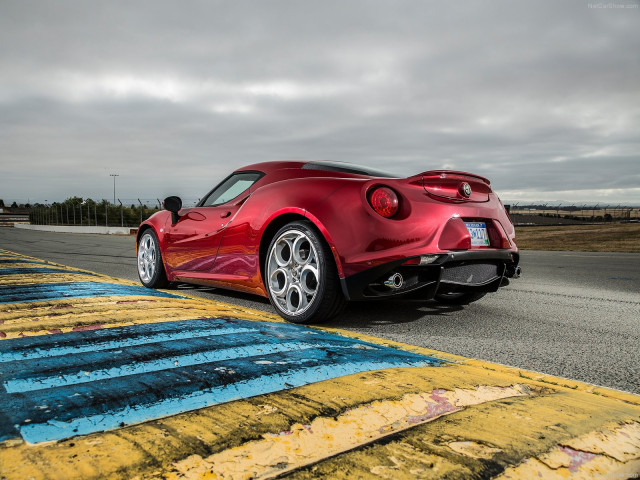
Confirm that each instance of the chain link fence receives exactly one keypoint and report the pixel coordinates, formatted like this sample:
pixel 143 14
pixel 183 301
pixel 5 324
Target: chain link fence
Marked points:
pixel 88 212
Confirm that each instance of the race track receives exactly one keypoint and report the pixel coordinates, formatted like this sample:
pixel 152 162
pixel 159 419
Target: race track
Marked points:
pixel 573 315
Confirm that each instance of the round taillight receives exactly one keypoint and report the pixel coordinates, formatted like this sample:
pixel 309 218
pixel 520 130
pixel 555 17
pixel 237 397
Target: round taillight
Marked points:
pixel 384 201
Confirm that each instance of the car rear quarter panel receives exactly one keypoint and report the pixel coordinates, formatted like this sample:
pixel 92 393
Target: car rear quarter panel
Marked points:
pixel 364 239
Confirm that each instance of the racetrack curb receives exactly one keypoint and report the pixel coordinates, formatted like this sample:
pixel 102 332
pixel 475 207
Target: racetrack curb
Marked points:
pixel 452 417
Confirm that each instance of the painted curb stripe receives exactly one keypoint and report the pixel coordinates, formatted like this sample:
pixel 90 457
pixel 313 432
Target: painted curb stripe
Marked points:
pixel 109 362
pixel 75 342
pixel 501 439
pixel 55 291
pixel 276 454
pixel 88 391
pixel 55 317
pixel 39 270
pixel 5 261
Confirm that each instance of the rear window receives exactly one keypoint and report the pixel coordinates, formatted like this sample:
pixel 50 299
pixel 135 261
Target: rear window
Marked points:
pixel 347 168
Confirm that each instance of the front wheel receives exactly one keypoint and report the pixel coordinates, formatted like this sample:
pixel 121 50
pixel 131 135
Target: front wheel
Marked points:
pixel 150 266
pixel 301 276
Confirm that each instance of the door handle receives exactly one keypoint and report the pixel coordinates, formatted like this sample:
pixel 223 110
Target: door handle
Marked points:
pixel 225 215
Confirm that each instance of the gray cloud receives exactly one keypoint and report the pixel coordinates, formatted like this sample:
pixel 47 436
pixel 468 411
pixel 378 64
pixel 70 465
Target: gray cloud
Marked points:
pixel 541 97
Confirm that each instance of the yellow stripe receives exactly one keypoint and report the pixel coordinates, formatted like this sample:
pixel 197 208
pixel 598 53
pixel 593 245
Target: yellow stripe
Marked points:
pixel 60 316
pixel 40 264
pixel 506 437
pixel 40 278
pixel 610 452
pixel 326 437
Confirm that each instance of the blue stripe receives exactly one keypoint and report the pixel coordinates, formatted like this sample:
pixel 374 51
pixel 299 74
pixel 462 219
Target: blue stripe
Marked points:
pixel 34 270
pixel 138 382
pixel 20 260
pixel 113 338
pixel 57 291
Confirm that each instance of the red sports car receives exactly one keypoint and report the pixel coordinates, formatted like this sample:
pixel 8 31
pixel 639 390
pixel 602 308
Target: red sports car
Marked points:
pixel 312 235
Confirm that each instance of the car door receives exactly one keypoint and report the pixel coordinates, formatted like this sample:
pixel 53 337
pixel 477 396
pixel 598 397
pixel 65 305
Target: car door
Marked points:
pixel 191 244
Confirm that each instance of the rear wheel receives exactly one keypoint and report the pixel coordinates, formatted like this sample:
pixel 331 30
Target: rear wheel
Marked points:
pixel 459 298
pixel 301 276
pixel 150 267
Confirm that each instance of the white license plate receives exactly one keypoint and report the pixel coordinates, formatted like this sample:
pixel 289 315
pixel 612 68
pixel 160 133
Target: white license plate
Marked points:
pixel 478 232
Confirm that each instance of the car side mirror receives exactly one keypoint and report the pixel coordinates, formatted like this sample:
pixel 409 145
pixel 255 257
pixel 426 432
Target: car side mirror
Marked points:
pixel 173 204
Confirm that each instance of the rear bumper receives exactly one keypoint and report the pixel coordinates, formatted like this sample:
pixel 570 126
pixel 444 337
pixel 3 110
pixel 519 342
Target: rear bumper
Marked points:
pixel 481 271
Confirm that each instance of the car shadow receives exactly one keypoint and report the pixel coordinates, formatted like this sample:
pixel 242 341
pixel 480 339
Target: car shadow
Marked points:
pixel 362 314
pixel 355 315
pixel 244 299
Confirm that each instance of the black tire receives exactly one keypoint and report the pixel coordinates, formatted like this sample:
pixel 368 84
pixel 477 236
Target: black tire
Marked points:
pixel 149 260
pixel 460 298
pixel 289 283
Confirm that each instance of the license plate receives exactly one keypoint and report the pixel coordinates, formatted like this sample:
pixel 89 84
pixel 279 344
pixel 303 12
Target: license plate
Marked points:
pixel 478 232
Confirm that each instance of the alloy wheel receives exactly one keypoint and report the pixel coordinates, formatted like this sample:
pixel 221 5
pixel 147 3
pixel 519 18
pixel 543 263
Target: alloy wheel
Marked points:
pixel 147 258
pixel 293 272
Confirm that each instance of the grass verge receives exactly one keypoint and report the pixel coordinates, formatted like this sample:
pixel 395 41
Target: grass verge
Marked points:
pixel 611 237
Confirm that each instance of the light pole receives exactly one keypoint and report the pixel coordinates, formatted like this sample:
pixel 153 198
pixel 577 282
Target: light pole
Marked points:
pixel 114 186
pixel 121 213
pixel 141 209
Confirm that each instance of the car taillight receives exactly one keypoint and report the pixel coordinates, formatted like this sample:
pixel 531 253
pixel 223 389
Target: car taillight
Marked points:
pixel 384 201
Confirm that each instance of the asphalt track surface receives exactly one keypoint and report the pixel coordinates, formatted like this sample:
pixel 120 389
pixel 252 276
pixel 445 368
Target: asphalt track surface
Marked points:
pixel 574 315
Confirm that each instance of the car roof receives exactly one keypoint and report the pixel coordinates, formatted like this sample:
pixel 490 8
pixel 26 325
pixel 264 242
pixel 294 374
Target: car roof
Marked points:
pixel 332 166
pixel 269 167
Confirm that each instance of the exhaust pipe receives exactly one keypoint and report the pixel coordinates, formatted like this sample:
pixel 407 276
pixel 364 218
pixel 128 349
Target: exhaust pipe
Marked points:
pixel 513 272
pixel 395 281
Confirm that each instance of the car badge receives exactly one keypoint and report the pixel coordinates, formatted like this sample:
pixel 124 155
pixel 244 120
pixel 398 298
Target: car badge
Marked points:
pixel 465 189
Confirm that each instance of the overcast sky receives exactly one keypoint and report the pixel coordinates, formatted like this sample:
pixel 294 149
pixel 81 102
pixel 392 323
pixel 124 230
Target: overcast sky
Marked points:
pixel 542 97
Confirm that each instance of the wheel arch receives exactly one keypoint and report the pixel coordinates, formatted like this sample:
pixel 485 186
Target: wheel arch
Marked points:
pixel 143 228
pixel 280 221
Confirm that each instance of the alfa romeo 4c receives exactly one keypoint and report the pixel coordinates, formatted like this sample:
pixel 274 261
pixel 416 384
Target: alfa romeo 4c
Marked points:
pixel 311 236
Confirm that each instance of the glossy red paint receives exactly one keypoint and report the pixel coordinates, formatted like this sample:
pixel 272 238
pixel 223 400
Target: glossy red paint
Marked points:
pixel 224 245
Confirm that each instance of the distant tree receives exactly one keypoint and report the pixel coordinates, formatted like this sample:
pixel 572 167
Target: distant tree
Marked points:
pixel 608 217
pixel 14 205
pixel 74 200
pixel 1 203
